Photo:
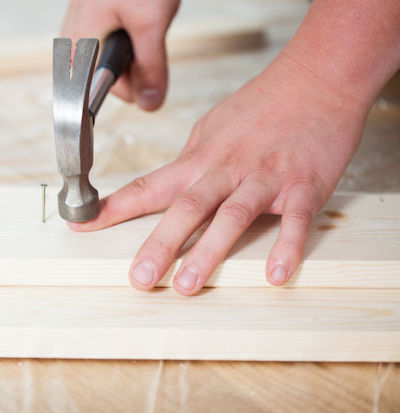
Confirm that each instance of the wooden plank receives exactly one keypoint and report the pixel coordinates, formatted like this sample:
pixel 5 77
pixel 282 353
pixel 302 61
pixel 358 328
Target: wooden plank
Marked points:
pixel 221 323
pixel 66 294
pixel 354 243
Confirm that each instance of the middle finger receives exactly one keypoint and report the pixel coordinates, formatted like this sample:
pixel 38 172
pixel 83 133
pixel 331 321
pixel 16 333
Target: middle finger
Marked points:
pixel 186 214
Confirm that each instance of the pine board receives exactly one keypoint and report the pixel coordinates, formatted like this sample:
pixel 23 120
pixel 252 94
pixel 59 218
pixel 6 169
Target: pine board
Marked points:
pixel 66 295
pixel 220 324
pixel 360 249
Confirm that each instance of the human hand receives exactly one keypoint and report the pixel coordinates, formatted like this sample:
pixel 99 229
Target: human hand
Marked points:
pixel 147 23
pixel 279 146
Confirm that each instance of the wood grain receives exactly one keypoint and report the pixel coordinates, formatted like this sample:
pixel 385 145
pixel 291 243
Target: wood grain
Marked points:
pixel 49 386
pixel 360 249
pixel 219 324
pixel 157 386
pixel 66 294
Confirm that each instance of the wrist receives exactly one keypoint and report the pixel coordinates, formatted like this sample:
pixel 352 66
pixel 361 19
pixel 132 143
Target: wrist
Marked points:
pixel 350 48
pixel 303 87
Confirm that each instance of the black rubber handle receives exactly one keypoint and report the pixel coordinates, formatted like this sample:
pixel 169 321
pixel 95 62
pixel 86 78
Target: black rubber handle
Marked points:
pixel 117 53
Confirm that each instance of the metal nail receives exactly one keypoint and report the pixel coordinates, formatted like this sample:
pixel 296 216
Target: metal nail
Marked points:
pixel 43 202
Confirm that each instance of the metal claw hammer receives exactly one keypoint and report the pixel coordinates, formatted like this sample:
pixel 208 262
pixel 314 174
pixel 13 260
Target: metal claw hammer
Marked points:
pixel 76 102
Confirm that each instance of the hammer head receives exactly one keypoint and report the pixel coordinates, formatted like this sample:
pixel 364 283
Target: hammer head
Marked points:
pixel 78 201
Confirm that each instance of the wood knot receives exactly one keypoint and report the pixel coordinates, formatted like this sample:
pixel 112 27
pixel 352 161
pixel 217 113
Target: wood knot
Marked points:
pixel 326 227
pixel 334 214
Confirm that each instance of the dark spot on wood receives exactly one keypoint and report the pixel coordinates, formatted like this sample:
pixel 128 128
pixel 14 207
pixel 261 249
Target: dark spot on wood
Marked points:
pixel 334 214
pixel 327 227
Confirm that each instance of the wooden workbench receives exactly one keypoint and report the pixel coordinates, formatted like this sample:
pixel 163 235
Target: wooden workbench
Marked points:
pixel 168 386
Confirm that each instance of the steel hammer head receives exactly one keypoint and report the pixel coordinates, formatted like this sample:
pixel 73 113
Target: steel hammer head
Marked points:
pixel 78 200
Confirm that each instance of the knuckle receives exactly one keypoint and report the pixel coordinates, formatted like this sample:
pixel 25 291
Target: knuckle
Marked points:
pixel 151 72
pixel 137 187
pixel 151 20
pixel 190 203
pixel 301 214
pixel 237 211
pixel 311 181
pixel 160 246
pixel 194 136
pixel 146 20
pixel 234 159
pixel 271 163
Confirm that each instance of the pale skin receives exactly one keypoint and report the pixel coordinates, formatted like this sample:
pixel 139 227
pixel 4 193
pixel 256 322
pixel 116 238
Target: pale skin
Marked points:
pixel 279 145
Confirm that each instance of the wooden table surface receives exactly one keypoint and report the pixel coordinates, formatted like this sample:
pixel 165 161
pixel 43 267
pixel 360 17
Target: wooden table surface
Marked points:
pixel 128 143
pixel 168 386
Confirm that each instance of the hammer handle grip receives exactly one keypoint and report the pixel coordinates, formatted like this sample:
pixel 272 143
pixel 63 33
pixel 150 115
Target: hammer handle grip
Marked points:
pixel 117 53
pixel 115 59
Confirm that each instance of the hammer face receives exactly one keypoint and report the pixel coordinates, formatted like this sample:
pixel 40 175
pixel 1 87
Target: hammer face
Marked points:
pixel 78 201
pixel 73 127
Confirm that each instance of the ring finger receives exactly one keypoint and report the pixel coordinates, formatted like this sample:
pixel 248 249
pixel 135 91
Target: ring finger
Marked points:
pixel 231 220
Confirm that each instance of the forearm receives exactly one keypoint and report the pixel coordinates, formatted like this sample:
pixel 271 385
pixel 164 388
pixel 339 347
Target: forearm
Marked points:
pixel 352 46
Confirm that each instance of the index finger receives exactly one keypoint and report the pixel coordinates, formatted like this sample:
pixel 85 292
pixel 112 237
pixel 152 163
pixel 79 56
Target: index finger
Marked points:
pixel 143 195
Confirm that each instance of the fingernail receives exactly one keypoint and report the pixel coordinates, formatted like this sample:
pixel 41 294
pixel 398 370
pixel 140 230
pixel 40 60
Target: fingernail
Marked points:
pixel 75 226
pixel 144 273
pixel 188 278
pixel 149 98
pixel 279 274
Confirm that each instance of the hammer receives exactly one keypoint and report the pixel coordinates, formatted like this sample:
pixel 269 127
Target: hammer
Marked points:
pixel 76 101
